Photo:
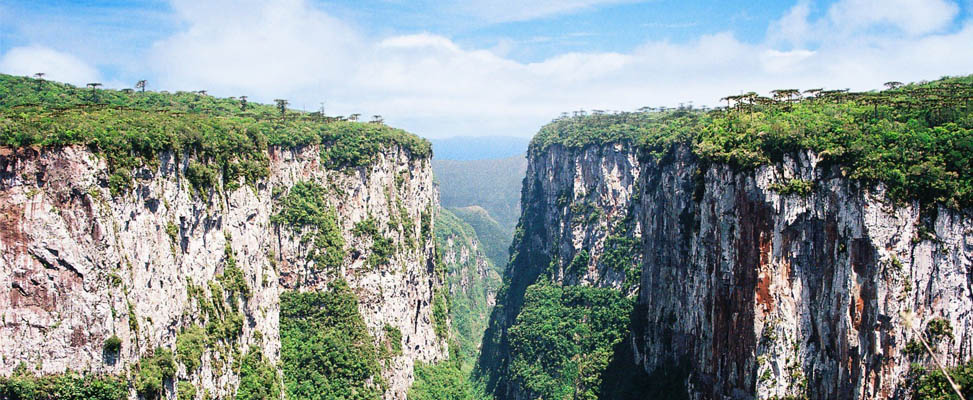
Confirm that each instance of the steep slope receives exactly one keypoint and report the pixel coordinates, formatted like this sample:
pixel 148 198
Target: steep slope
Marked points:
pixel 223 234
pixel 472 279
pixel 777 249
pixel 493 184
pixel 495 242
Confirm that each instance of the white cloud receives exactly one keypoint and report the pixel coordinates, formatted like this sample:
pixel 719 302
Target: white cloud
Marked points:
pixel 270 48
pixel 431 85
pixel 863 19
pixel 54 64
pixel 914 17
pixel 520 10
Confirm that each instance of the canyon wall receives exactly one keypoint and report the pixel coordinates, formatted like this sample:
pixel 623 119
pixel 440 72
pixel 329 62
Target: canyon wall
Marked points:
pixel 785 280
pixel 79 265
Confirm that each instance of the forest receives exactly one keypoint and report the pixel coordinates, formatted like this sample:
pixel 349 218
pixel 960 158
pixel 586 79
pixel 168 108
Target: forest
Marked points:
pixel 914 138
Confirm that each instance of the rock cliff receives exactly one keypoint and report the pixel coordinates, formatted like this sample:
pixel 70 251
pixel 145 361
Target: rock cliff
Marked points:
pixel 79 265
pixel 472 280
pixel 744 287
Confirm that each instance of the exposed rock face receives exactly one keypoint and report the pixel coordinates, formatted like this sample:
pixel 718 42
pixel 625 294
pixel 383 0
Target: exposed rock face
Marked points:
pixel 744 292
pixel 78 265
pixel 472 279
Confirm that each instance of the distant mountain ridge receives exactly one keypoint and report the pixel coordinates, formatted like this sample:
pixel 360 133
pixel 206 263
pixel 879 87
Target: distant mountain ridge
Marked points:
pixel 491 184
pixel 479 148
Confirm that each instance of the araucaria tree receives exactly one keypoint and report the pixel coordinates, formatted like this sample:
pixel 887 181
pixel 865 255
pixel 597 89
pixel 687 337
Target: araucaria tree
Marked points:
pixel 94 90
pixel 281 106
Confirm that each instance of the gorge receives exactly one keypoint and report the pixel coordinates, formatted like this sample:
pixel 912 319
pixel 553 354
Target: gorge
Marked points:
pixel 183 246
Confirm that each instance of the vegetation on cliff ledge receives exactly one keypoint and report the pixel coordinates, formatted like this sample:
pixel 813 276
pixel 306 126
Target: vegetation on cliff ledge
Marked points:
pixel 563 339
pixel 917 139
pixel 305 207
pixel 227 138
pixel 326 349
pixel 23 385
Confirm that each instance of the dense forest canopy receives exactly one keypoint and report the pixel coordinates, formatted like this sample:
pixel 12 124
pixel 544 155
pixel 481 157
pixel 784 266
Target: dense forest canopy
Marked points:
pixel 916 138
pixel 228 137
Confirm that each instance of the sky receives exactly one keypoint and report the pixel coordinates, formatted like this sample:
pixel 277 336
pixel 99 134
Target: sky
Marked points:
pixel 443 68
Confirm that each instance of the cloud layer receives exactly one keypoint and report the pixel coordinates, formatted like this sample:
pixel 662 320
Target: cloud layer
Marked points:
pixel 54 64
pixel 432 86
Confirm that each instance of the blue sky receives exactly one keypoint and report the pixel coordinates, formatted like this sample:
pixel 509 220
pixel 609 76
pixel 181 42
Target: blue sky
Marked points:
pixel 486 67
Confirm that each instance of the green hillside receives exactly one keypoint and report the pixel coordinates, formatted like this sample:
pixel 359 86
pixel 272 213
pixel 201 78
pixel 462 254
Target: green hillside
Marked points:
pixel 469 309
pixel 491 184
pixel 493 239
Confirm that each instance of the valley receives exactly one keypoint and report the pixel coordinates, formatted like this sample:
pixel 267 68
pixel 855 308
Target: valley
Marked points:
pixel 808 245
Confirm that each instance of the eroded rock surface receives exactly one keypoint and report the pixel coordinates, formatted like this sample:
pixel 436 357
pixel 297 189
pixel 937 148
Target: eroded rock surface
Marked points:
pixel 78 265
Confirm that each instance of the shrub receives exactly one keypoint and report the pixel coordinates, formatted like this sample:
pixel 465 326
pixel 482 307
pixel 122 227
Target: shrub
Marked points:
pixel 173 231
pixel 66 386
pixel 306 206
pixel 259 379
pixel 393 340
pixel 185 391
pixel 190 345
pixel 440 315
pixel 113 345
pixel 563 339
pixel 442 381
pixel 579 264
pixel 799 187
pixel 938 329
pixel 932 385
pixel 153 371
pixel 326 349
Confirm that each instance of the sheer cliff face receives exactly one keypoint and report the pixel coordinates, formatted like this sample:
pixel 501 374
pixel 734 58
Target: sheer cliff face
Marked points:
pixel 472 280
pixel 744 291
pixel 78 265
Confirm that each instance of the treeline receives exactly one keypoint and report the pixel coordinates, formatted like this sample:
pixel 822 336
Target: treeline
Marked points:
pixel 227 138
pixel 917 139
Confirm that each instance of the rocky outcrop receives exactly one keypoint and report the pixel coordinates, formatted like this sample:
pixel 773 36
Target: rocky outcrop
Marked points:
pixel 79 265
pixel 747 288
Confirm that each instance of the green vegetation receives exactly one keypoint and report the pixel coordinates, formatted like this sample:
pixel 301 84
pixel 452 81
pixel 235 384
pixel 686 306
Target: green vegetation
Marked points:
pixel 185 391
pixel 306 206
pixel 932 385
pixel 382 247
pixel 579 264
pixel 326 350
pixel 799 187
pixel 585 213
pixel 228 142
pixel 113 345
pixel 939 329
pixel 469 289
pixel 620 255
pixel 563 339
pixel 23 385
pixel 494 240
pixel 365 228
pixel 916 139
pixel 393 340
pixel 446 380
pixel 153 371
pixel 190 345
pixel 493 185
pixel 259 379
pixel 440 315
pixel 173 231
